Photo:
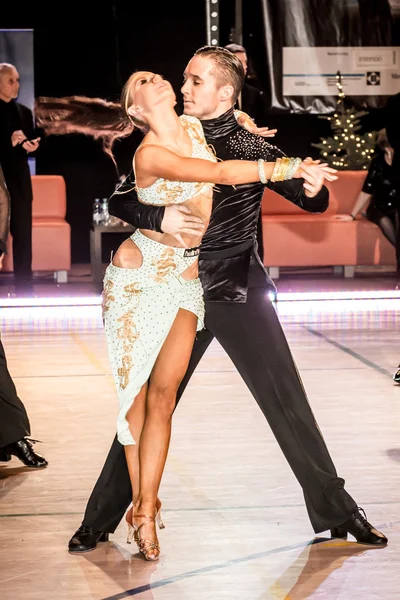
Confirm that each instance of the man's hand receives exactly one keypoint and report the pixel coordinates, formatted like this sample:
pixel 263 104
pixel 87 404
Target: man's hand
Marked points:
pixel 17 137
pixel 1 260
pixel 178 219
pixel 31 145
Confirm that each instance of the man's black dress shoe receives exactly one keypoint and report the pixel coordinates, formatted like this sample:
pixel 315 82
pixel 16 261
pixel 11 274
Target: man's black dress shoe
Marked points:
pixel 85 539
pixel 24 451
pixel 358 526
pixel 396 376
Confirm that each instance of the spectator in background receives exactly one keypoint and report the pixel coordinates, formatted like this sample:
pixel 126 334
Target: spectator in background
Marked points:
pixel 381 194
pixel 17 141
pixel 14 422
pixel 251 100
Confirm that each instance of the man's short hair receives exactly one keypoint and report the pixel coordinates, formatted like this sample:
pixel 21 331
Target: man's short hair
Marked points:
pixel 229 70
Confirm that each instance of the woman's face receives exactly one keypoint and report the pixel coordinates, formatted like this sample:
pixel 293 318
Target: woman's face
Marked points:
pixel 147 91
pixel 389 155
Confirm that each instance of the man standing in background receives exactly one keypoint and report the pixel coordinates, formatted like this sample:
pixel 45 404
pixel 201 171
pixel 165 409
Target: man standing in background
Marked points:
pixel 16 143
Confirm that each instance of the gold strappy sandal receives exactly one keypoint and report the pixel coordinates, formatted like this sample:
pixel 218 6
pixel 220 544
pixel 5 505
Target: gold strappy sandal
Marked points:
pixel 131 530
pixel 146 547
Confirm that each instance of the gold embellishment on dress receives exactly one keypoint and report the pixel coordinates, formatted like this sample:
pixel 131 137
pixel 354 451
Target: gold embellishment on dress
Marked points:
pixel 129 334
pixel 128 329
pixel 169 190
pixel 132 292
pixel 194 129
pixel 107 297
pixel 164 265
pixel 123 372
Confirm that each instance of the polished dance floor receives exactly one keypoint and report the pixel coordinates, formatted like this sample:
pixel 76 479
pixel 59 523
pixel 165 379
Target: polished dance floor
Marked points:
pixel 236 525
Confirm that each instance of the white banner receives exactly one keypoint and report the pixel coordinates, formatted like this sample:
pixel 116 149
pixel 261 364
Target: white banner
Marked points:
pixel 365 71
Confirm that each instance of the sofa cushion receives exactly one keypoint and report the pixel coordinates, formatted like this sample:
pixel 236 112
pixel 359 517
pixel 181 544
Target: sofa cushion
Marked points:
pixel 49 196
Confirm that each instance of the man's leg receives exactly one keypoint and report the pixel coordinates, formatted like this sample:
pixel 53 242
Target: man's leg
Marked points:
pixel 13 417
pixel 14 422
pixel 252 336
pixel 21 230
pixel 112 492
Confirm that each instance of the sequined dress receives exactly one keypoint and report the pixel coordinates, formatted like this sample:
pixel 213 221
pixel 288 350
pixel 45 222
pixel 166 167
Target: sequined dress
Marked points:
pixel 140 305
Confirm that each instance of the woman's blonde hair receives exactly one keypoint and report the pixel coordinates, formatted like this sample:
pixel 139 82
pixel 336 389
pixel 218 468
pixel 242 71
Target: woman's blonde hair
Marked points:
pixel 94 117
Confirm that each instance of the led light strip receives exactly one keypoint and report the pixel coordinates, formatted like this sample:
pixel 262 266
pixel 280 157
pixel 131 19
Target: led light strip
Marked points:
pixel 68 301
pixel 342 295
pixel 279 297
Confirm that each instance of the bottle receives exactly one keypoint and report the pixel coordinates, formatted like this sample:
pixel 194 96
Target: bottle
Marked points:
pixel 97 212
pixel 105 213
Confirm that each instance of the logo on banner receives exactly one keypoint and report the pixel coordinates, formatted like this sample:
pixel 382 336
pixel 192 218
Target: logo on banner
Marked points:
pixel 373 78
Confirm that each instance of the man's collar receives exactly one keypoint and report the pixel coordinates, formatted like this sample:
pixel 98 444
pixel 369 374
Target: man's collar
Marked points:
pixel 220 126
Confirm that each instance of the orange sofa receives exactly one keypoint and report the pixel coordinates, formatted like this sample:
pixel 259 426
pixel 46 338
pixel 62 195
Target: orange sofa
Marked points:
pixel 295 238
pixel 51 234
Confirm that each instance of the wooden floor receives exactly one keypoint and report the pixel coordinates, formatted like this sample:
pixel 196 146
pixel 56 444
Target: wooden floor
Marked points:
pixel 236 523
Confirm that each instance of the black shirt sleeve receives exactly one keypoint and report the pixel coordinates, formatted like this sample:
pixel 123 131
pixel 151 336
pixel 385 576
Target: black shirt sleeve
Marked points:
pixel 374 176
pixel 125 204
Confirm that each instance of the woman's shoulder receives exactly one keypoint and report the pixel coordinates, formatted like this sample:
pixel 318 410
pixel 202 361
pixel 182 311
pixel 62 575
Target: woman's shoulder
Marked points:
pixel 188 119
pixel 193 126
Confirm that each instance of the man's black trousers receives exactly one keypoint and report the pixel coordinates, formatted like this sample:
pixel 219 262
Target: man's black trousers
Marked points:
pixel 14 422
pixel 253 338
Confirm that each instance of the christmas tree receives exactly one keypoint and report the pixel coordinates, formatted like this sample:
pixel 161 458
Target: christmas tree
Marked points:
pixel 347 149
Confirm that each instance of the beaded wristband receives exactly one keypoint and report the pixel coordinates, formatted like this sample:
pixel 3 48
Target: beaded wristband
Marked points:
pixel 294 165
pixel 261 172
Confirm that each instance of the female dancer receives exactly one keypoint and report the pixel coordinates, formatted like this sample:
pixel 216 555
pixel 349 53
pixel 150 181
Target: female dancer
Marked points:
pixel 153 299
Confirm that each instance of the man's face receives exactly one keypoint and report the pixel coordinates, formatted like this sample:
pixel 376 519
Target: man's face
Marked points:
pixel 202 98
pixel 9 84
pixel 242 56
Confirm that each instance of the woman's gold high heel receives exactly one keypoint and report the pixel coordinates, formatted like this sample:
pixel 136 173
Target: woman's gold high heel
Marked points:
pixel 146 547
pixel 131 530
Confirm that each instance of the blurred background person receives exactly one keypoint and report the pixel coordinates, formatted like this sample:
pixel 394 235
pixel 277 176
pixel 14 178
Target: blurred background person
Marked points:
pixel 380 191
pixel 17 141
pixel 251 100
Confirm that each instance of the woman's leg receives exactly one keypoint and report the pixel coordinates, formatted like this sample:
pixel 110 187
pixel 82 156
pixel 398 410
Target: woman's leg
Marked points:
pixel 388 229
pixel 385 223
pixel 167 374
pixel 135 417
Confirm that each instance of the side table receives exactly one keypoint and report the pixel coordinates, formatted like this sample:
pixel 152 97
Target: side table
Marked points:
pixel 96 232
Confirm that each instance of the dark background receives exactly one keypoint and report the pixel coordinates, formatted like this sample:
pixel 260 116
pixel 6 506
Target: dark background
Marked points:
pixel 92 48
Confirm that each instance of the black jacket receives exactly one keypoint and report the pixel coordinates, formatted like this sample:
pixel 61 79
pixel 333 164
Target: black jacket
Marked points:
pixel 4 213
pixel 14 159
pixel 230 239
pixel 254 103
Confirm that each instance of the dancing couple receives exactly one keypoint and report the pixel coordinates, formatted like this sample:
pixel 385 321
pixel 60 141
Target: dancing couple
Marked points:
pixel 154 290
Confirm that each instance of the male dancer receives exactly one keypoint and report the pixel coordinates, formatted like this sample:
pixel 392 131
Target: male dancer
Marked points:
pixel 238 312
pixel 14 421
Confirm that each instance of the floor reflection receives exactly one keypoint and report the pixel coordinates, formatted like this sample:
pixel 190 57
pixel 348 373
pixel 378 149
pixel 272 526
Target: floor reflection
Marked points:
pixel 314 565
pixel 129 571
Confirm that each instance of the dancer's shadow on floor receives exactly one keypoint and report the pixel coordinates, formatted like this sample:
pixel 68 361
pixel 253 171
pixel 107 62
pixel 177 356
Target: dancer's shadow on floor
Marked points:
pixel 394 454
pixel 12 477
pixel 131 572
pixel 313 567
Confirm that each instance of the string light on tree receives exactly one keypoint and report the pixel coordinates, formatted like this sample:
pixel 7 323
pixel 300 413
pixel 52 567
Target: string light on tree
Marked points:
pixel 343 149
